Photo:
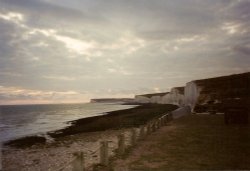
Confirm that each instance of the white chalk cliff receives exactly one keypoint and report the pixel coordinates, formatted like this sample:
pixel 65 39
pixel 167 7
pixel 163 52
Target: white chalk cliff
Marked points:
pixel 180 96
pixel 191 94
pixel 175 96
pixel 201 92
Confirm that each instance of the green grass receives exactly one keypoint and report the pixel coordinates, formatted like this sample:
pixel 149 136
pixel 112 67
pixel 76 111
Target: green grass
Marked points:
pixel 197 142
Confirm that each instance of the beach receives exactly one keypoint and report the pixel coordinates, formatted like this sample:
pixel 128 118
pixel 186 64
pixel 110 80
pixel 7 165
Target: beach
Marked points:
pixel 83 135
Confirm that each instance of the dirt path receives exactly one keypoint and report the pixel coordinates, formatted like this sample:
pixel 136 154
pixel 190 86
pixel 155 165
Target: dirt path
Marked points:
pixel 194 142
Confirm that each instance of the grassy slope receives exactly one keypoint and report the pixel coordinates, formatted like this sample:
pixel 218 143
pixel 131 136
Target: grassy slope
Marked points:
pixel 194 142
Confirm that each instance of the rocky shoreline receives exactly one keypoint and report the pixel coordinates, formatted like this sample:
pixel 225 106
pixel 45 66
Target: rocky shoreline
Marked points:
pixel 35 153
pixel 120 119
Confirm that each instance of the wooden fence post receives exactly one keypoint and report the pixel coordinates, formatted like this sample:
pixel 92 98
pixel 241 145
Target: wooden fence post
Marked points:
pixel 170 116
pixel 162 121
pixel 156 124
pixel 133 137
pixel 165 120
pixel 153 127
pixel 148 129
pixel 159 123
pixel 104 156
pixel 79 162
pixel 121 144
pixel 142 132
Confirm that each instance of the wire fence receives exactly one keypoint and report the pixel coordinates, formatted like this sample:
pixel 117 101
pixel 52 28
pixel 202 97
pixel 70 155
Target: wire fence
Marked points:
pixel 101 157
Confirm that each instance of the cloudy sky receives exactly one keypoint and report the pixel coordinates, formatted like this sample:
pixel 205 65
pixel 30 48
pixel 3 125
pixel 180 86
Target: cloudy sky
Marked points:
pixel 54 51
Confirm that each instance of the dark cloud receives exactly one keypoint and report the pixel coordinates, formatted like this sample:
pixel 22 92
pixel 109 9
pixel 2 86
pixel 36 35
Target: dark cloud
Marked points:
pixel 44 14
pixel 240 11
pixel 8 33
pixel 243 49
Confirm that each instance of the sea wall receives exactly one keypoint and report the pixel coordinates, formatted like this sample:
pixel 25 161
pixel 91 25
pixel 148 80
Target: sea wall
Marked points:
pixel 182 111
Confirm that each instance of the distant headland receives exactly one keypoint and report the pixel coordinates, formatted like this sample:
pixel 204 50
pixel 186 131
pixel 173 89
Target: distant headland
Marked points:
pixel 112 100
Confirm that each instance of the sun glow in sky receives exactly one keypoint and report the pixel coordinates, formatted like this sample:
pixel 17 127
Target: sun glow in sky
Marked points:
pixel 64 51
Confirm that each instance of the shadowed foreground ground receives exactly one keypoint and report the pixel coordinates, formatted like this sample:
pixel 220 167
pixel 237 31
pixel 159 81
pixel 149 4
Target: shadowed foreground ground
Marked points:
pixel 194 142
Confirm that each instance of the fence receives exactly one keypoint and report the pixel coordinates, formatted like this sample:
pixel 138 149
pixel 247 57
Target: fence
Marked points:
pixel 0 156
pixel 125 141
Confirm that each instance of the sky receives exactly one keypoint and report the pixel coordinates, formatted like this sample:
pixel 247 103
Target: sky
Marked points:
pixel 61 51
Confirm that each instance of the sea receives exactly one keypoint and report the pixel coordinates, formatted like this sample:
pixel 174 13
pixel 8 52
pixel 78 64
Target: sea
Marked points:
pixel 17 121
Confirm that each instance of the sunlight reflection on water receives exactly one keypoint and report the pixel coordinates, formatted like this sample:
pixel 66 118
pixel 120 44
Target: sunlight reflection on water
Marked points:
pixel 21 120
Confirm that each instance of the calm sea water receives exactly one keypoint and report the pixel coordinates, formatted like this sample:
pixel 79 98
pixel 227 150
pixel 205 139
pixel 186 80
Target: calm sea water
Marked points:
pixel 22 120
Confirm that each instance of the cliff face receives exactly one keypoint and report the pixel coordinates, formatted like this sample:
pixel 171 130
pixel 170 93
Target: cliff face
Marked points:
pixel 191 94
pixel 201 93
pixel 175 96
pixel 227 87
pixel 221 89
pixel 150 98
